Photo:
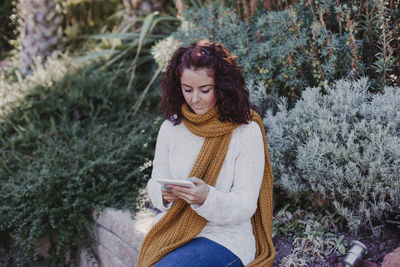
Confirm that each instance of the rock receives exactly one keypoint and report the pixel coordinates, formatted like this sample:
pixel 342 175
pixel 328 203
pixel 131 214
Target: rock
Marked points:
pixel 365 263
pixel 392 259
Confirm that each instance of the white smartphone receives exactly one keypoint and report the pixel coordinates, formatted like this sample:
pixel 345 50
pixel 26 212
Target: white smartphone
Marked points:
pixel 176 182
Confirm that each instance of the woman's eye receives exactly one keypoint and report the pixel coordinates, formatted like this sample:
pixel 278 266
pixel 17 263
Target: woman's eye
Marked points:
pixel 189 90
pixel 207 89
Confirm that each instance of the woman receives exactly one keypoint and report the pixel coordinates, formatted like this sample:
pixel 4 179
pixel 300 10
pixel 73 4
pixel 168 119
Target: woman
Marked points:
pixel 212 138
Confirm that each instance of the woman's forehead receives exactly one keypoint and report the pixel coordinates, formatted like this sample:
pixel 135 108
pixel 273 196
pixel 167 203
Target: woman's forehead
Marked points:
pixel 199 71
pixel 196 76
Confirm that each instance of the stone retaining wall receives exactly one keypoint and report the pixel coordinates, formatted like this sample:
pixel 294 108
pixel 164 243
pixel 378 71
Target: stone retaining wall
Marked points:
pixel 120 236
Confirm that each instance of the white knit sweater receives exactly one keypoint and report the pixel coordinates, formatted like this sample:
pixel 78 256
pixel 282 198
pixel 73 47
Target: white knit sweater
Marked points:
pixel 231 203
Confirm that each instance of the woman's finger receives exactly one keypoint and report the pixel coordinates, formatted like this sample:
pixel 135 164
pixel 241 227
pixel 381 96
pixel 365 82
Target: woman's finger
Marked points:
pixel 187 190
pixel 196 181
pixel 190 199
pixel 195 195
pixel 165 192
pixel 170 199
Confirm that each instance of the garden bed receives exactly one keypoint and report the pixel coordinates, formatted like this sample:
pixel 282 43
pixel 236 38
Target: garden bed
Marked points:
pixel 377 249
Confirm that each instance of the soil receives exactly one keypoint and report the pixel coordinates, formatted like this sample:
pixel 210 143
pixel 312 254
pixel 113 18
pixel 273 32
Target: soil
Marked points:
pixel 377 248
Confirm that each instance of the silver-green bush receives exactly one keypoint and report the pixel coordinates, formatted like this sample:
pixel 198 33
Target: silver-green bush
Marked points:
pixel 341 146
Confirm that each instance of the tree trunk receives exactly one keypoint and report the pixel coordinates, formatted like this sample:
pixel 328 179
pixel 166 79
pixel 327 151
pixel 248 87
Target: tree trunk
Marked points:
pixel 40 22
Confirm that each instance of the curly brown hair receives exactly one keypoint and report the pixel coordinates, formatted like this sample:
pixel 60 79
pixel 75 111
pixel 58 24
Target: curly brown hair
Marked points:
pixel 232 96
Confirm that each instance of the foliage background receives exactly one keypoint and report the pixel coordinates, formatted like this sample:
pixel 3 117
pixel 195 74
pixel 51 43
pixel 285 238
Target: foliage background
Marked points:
pixel 71 141
pixel 87 17
pixel 304 45
pixel 67 150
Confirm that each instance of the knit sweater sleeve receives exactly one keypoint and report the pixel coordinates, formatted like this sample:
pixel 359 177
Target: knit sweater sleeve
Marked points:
pixel 240 203
pixel 160 169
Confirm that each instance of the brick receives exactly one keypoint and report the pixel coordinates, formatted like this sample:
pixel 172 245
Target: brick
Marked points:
pixel 392 259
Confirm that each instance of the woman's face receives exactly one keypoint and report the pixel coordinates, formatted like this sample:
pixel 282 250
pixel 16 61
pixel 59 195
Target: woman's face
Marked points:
pixel 198 89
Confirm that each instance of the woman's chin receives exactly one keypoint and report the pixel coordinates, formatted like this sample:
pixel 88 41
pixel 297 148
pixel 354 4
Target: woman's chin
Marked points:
pixel 200 111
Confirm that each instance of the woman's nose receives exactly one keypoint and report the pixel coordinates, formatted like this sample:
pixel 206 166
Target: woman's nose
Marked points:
pixel 196 96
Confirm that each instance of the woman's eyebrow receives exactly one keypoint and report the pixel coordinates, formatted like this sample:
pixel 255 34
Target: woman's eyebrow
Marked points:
pixel 206 85
pixel 201 86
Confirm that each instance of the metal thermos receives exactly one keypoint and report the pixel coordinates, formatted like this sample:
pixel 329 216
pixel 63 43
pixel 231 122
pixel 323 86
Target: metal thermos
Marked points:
pixel 355 254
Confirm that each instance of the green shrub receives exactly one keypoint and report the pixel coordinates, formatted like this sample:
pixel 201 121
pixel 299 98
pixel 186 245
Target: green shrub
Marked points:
pixel 305 45
pixel 342 147
pixel 8 27
pixel 69 145
pixel 13 87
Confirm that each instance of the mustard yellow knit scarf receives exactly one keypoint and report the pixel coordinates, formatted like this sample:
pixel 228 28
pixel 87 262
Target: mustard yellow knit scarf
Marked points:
pixel 181 224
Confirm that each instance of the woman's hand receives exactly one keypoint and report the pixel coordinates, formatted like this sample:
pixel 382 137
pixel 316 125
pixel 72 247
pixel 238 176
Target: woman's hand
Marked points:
pixel 196 195
pixel 167 195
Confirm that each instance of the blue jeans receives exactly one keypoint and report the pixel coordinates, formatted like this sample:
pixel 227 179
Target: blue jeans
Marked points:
pixel 200 252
